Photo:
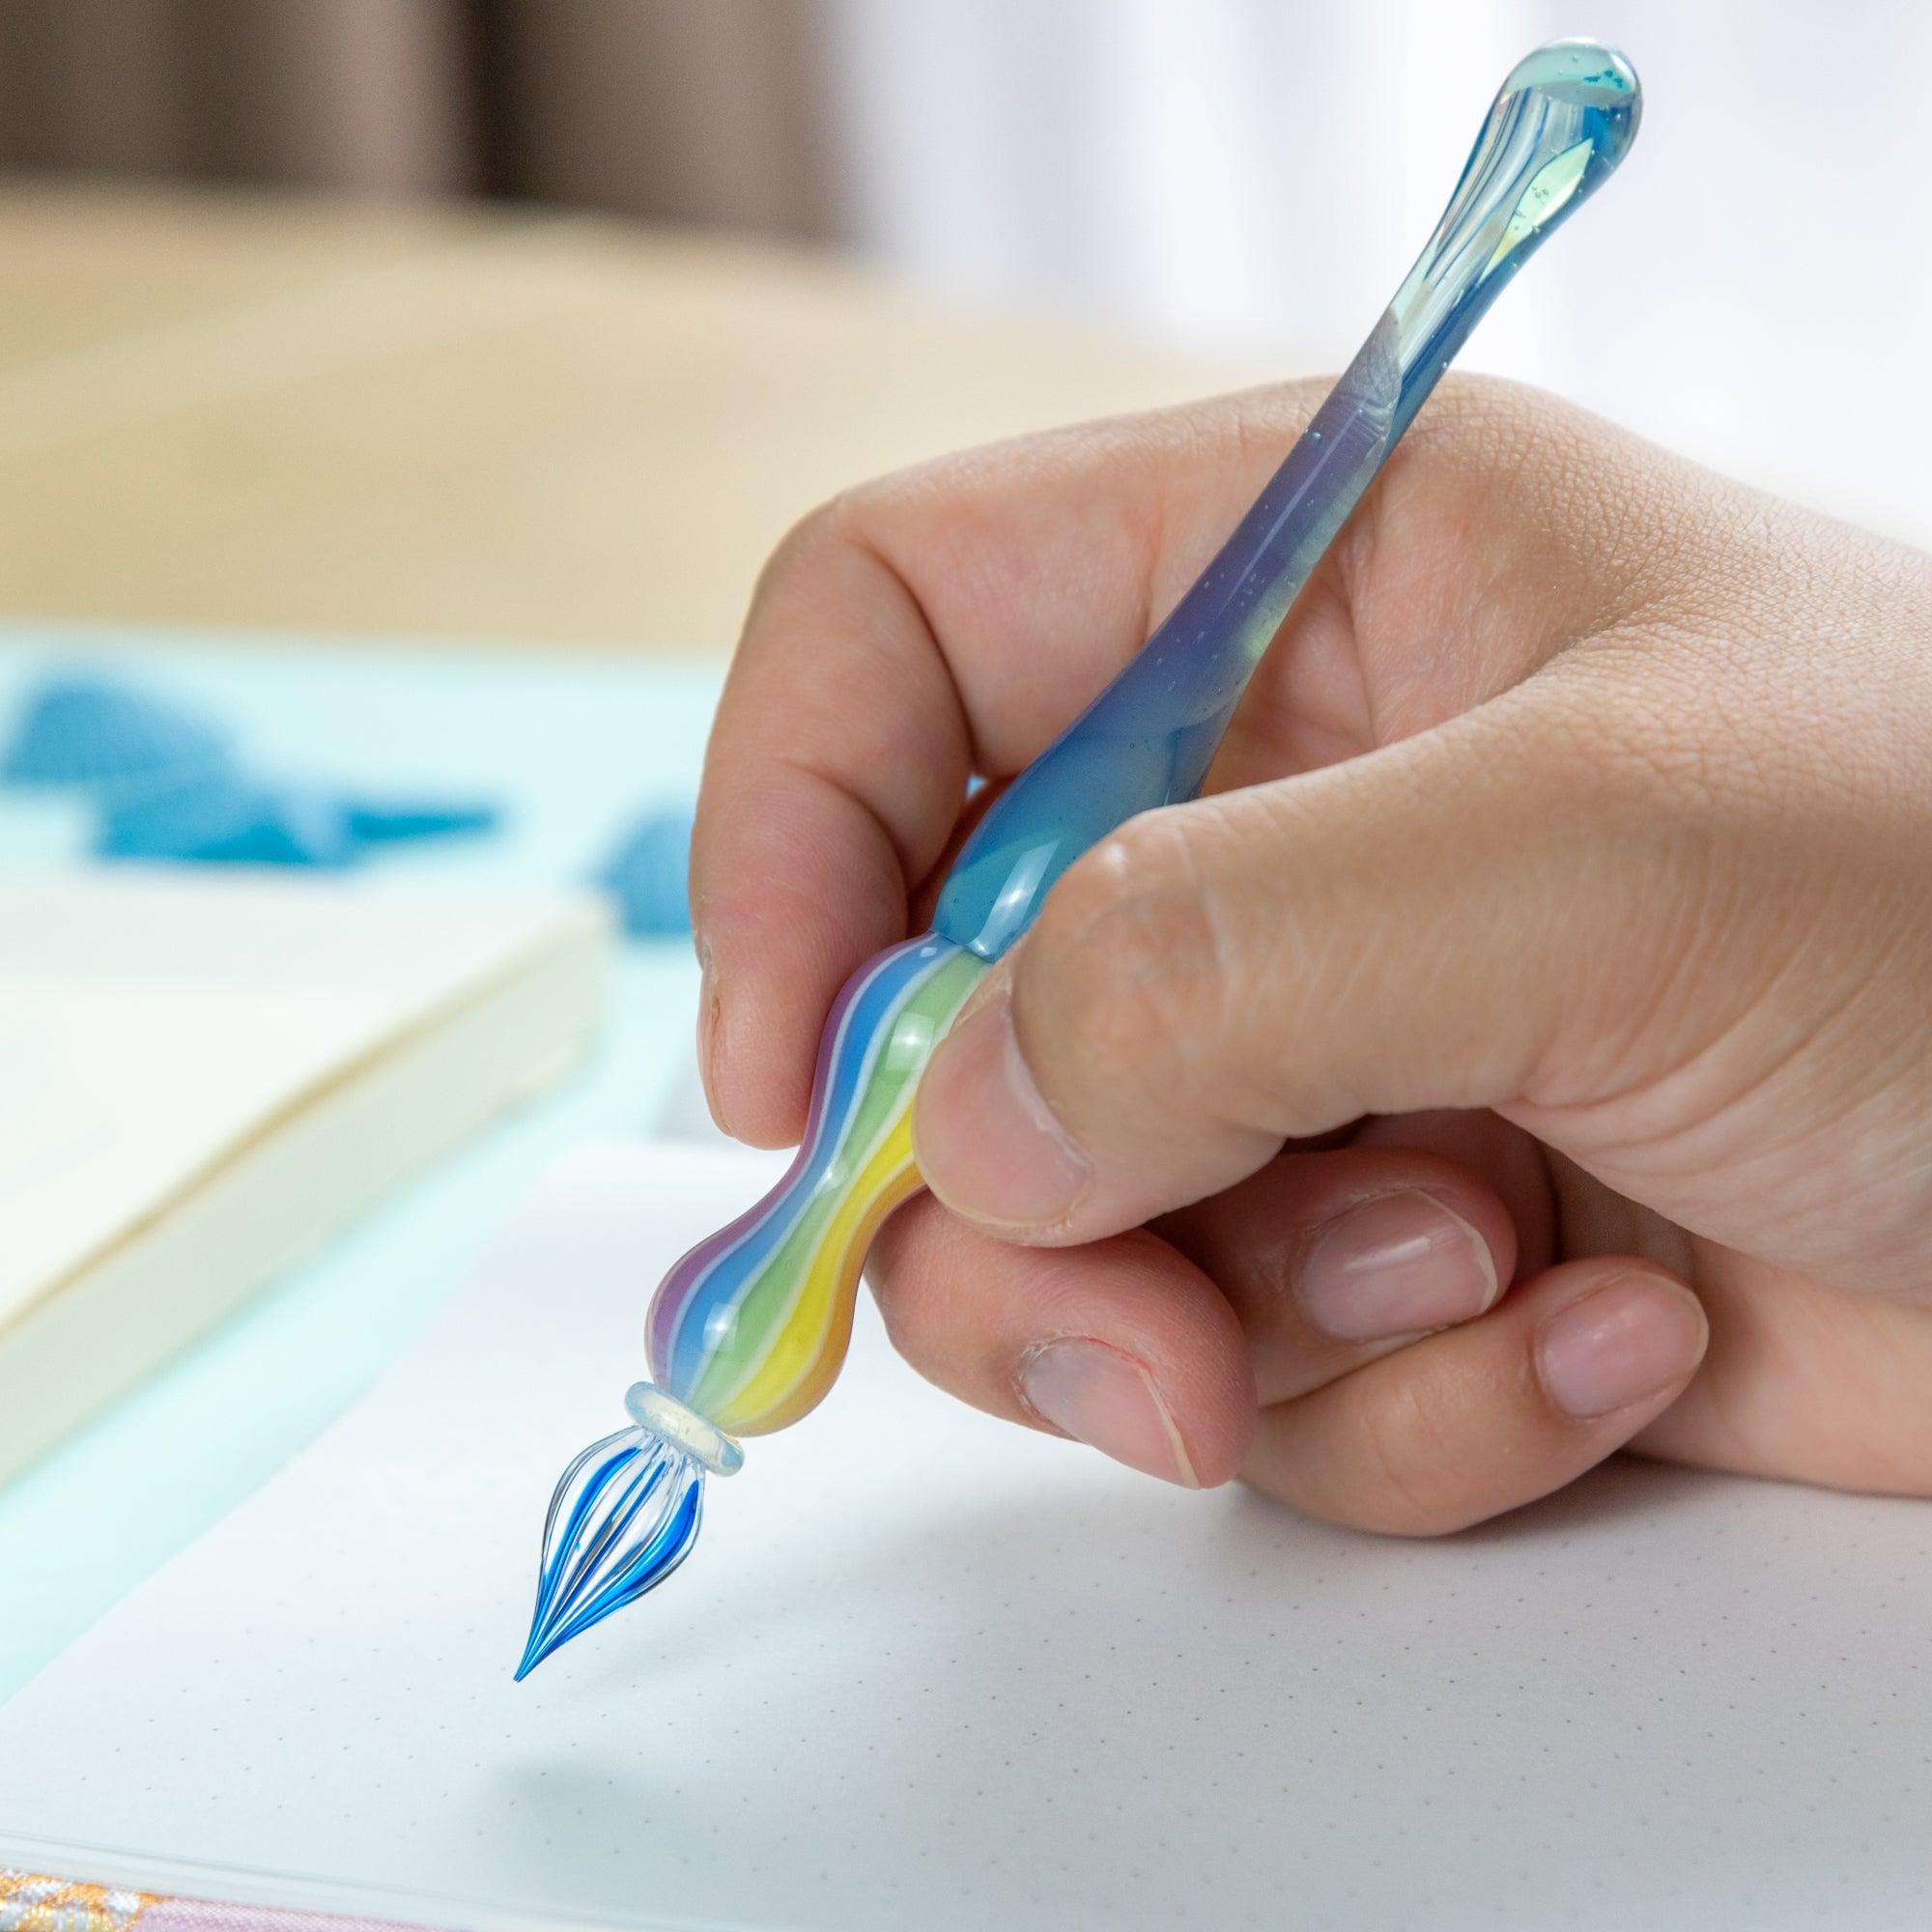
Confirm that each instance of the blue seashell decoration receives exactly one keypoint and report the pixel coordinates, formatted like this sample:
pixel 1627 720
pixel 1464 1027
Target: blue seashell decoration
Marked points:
pixel 232 820
pixel 84 731
pixel 649 873
pixel 168 788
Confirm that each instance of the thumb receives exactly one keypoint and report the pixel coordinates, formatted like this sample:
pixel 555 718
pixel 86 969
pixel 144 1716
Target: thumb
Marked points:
pixel 1469 917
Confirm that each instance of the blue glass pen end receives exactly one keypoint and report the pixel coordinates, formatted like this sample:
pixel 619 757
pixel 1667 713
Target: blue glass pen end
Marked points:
pixel 624 1516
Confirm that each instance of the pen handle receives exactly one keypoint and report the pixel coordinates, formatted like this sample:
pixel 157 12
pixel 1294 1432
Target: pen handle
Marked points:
pixel 1564 118
pixel 747 1332
pixel 749 1328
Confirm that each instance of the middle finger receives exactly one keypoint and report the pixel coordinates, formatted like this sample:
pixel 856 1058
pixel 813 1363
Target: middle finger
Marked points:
pixel 1334 1258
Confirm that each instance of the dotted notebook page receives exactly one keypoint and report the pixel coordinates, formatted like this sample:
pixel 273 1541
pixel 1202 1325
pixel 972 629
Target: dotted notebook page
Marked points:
pixel 926 1669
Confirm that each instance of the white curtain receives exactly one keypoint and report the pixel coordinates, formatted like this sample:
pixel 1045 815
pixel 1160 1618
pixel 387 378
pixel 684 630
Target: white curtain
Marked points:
pixel 1756 289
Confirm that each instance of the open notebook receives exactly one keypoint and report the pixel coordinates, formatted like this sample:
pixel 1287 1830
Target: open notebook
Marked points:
pixel 924 1668
pixel 203 1076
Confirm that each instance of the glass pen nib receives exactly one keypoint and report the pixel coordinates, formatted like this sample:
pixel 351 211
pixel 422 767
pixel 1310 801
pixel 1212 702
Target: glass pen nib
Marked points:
pixel 623 1517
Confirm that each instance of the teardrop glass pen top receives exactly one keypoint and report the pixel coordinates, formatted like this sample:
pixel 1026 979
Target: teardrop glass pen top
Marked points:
pixel 1563 121
pixel 748 1332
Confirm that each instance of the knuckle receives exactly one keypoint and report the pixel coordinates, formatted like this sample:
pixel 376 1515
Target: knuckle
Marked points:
pixel 839 520
pixel 1507 470
pixel 1491 424
pixel 806 537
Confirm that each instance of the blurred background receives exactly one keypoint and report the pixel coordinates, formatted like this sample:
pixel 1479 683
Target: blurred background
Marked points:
pixel 543 318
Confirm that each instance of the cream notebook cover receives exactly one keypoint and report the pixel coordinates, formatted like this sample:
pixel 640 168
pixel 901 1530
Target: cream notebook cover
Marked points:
pixel 928 1670
pixel 203 1075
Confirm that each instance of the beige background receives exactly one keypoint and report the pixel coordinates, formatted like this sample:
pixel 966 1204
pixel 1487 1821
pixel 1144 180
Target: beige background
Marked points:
pixel 219 409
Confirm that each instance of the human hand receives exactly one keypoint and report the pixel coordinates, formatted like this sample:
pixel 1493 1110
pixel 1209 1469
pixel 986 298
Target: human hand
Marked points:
pixel 1543 987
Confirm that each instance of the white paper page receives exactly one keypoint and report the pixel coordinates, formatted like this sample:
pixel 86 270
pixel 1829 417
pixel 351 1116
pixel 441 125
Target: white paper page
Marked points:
pixel 925 1669
pixel 151 1025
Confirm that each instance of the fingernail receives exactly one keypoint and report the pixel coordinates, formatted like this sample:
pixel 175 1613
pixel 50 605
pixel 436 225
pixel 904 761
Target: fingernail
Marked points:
pixel 1102 1397
pixel 707 1031
pixel 985 1141
pixel 1621 1344
pixel 1394 1266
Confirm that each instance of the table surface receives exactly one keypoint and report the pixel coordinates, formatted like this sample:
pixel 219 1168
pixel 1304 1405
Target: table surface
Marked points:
pixel 224 409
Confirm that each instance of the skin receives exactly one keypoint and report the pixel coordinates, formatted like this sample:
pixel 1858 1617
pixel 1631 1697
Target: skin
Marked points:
pixel 1520 1054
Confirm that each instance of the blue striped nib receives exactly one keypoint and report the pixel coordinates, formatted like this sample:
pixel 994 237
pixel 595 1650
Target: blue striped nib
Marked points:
pixel 623 1517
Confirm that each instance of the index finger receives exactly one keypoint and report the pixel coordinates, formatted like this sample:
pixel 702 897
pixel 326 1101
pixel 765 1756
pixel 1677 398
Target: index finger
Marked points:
pixel 942 622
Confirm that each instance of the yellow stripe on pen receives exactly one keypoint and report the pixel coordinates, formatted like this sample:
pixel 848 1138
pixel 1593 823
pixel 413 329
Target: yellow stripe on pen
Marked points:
pixel 807 1354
